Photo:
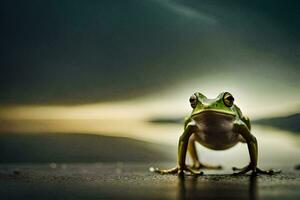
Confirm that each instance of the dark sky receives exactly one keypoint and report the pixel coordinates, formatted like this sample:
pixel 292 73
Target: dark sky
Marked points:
pixel 71 51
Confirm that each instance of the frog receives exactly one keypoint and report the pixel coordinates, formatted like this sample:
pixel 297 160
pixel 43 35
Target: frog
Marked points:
pixel 216 124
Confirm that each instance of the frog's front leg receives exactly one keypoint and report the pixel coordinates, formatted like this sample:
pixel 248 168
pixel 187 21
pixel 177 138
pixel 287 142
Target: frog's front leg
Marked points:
pixel 182 151
pixel 194 155
pixel 241 128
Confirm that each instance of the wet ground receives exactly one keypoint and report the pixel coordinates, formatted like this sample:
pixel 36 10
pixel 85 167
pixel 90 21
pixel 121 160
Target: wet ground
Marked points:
pixel 134 181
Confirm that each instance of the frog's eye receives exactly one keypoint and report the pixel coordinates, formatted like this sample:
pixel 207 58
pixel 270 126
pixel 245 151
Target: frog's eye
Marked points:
pixel 193 101
pixel 228 99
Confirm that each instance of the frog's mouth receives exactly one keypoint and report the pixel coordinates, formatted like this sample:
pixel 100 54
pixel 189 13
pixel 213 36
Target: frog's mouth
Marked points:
pixel 214 112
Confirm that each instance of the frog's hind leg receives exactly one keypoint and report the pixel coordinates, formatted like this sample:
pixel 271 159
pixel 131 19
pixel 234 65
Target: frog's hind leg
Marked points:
pixel 194 156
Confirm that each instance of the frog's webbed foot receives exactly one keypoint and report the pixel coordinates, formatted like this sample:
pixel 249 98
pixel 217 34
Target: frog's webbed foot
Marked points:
pixel 176 170
pixel 199 165
pixel 255 170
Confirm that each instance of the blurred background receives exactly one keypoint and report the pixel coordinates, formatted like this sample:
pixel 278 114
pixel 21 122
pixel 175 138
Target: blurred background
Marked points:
pixel 109 81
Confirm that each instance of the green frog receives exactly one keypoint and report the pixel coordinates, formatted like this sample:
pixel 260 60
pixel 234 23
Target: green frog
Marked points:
pixel 217 124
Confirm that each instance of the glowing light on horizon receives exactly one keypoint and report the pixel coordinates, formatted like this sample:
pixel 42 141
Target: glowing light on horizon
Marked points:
pixel 253 101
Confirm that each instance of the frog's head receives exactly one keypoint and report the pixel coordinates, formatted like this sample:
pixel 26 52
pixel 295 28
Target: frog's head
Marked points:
pixel 223 103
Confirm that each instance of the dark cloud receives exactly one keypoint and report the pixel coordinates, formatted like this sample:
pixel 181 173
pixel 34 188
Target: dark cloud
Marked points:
pixel 87 51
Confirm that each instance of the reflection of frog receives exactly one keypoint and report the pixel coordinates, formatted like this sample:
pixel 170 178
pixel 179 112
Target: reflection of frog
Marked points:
pixel 217 124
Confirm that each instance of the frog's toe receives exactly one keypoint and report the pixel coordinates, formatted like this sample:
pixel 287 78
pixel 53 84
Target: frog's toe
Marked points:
pixel 268 172
pixel 192 171
pixel 243 170
pixel 198 166
pixel 205 166
pixel 164 171
pixel 187 170
pixel 239 168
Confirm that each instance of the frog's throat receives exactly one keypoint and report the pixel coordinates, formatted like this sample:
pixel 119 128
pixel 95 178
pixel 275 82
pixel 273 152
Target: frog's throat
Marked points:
pixel 214 111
